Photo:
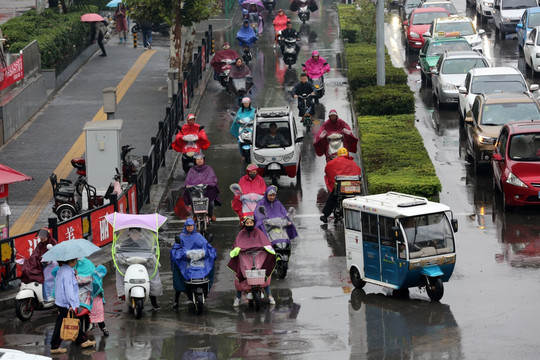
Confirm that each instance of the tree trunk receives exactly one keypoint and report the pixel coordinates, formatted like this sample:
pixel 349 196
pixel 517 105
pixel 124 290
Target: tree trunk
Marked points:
pixel 175 58
pixel 64 7
pixel 188 47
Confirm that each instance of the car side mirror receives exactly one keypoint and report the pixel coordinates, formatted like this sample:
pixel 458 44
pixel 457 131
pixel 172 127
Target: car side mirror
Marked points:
pixel 462 90
pixel 405 22
pixel 299 139
pixel 534 87
pixel 497 7
pixel 454 225
pixel 519 26
pixel 497 157
pixel 427 34
pixel 422 55
pixel 481 31
pixel 434 72
pixel 468 118
pixel 529 42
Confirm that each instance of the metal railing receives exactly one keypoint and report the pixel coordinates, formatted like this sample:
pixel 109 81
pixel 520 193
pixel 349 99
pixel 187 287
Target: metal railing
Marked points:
pixel 31 59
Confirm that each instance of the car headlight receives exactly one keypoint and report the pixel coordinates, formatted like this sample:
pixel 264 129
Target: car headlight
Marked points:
pixel 447 86
pixel 488 4
pixel 258 158
pixel 288 157
pixel 514 180
pixel 505 19
pixel 486 140
pixel 414 35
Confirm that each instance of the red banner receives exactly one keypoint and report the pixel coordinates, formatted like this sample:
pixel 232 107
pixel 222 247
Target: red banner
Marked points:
pixel 25 246
pixel 132 199
pixel 122 204
pixel 102 232
pixel 12 73
pixel 70 230
pixel 4 191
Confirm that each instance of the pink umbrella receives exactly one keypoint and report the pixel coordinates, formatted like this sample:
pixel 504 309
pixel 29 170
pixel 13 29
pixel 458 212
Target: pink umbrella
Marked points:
pixel 258 3
pixel 121 221
pixel 10 176
pixel 91 17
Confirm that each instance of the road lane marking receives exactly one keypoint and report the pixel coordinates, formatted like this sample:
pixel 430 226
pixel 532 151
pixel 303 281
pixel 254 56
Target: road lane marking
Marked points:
pixel 28 218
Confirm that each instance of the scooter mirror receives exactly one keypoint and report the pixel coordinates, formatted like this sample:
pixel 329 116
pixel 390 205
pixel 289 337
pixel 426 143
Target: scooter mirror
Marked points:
pixel 249 79
pixel 233 113
pixel 177 239
pixel 201 128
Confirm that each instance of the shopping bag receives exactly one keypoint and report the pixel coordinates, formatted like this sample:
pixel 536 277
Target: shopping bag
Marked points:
pixel 70 327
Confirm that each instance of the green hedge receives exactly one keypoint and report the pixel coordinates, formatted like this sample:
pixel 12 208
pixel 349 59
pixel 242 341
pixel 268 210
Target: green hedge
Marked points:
pixel 61 37
pixel 384 100
pixel 395 158
pixel 358 25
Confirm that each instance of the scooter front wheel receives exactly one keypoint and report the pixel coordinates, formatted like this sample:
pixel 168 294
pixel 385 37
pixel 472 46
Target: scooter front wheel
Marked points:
pixel 281 269
pixel 138 308
pixel 257 299
pixel 24 309
pixel 199 303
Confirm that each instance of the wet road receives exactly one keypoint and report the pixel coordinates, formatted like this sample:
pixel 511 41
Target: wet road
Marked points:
pixel 489 310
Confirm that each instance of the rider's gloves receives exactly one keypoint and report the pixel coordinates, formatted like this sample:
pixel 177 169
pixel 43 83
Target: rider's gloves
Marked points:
pixel 346 131
pixel 234 252
pixel 323 134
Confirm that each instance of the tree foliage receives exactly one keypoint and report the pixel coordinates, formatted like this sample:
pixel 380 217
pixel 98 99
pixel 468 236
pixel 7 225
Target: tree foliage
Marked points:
pixel 190 11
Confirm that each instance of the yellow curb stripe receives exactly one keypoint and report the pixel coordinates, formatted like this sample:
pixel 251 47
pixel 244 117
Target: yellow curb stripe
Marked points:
pixel 28 218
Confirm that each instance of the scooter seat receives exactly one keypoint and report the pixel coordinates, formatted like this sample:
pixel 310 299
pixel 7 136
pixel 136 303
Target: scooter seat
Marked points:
pixel 65 191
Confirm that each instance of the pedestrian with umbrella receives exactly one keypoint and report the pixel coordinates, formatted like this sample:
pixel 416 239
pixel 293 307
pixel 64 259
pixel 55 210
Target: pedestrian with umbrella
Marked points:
pixel 121 23
pixel 99 29
pixel 66 289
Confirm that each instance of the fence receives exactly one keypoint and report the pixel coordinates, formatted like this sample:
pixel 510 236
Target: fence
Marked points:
pixel 91 224
pixel 31 59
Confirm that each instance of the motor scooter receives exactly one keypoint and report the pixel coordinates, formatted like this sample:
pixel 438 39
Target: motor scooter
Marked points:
pixel 269 5
pixel 249 201
pixel 335 141
pixel 277 234
pixel 305 107
pixel 225 69
pixel 135 253
pixel 247 56
pixel 130 165
pixel 256 22
pixel 200 205
pixel 346 186
pixel 245 136
pixel 303 12
pixel 318 83
pixel 161 27
pixel 240 87
pixel 290 51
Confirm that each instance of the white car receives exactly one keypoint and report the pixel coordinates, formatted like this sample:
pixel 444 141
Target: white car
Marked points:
pixel 531 50
pixel 278 143
pixel 484 9
pixel 457 26
pixel 11 354
pixel 488 81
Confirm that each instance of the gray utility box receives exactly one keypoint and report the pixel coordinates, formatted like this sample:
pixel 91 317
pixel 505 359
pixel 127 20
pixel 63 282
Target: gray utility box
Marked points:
pixel 102 152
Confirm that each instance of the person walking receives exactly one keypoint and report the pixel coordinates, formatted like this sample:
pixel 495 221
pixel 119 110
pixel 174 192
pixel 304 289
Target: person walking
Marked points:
pixel 66 299
pixel 146 28
pixel 121 22
pixel 98 34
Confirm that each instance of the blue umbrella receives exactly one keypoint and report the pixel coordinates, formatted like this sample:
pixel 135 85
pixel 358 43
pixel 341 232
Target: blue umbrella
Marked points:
pixel 70 249
pixel 113 3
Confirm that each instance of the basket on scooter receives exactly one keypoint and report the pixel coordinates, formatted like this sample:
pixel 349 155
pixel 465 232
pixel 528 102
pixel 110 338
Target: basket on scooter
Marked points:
pixel 255 277
pixel 348 185
pixel 200 205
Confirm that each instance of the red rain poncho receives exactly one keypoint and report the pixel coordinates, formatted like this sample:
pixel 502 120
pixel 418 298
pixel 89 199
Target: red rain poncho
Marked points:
pixel 179 144
pixel 342 165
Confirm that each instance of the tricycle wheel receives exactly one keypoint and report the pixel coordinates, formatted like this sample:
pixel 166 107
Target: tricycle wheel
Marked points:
pixel 65 212
pixel 355 278
pixel 25 309
pixel 435 289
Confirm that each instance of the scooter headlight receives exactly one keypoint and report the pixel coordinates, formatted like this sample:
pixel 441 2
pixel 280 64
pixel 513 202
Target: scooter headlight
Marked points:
pixel 259 158
pixel 137 281
pixel 281 245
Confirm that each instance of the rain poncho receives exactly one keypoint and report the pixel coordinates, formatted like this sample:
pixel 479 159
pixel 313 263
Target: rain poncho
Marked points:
pixel 274 209
pixel 248 242
pixel 339 126
pixel 90 280
pixel 342 165
pixel 280 22
pixel 241 114
pixel 316 68
pixel 202 174
pixel 200 263
pixel 250 188
pixel 216 63
pixel 179 144
pixel 32 269
pixel 246 35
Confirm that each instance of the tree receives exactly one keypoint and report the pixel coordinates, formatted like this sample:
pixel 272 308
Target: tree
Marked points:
pixel 176 14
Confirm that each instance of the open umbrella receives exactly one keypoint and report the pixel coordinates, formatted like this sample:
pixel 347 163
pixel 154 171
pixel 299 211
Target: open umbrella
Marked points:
pixel 70 249
pixel 245 4
pixel 113 3
pixel 91 17
pixel 10 176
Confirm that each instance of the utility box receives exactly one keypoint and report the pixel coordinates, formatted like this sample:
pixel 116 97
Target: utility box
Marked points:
pixel 102 152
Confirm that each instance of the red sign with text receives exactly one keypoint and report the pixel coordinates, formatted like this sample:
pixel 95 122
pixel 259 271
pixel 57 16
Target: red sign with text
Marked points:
pixel 12 73
pixel 102 232
pixel 25 246
pixel 132 199
pixel 70 230
pixel 4 191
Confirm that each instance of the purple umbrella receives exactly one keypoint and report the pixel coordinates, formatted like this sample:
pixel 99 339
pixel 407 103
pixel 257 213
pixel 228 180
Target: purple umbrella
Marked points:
pixel 245 4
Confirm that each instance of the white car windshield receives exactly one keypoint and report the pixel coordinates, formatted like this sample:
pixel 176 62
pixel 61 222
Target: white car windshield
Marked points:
pixel 273 134
pixel 428 235
pixel 462 66
pixel 498 83
pixel 500 114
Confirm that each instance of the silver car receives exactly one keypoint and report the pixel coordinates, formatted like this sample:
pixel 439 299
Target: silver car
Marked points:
pixel 450 72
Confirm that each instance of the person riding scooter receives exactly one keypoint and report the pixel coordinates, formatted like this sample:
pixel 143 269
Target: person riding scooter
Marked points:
pixel 184 254
pixel 246 35
pixel 334 125
pixel 240 81
pixel 316 66
pixel 342 165
pixel 304 87
pixel 274 209
pixel 254 15
pixel 33 270
pixel 223 59
pixel 245 113
pixel 202 173
pixel 280 24
pixel 190 140
pixel 289 33
pixel 251 249
pixel 252 186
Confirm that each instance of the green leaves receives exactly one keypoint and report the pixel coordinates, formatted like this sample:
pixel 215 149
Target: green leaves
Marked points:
pixel 384 100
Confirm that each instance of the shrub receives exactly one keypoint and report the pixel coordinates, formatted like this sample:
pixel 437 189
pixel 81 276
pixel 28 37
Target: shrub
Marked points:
pixel 61 37
pixel 395 158
pixel 384 100
pixel 358 25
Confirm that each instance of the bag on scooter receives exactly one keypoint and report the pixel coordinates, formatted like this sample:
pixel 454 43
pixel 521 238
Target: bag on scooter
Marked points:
pixel 294 6
pixel 70 327
pixel 312 6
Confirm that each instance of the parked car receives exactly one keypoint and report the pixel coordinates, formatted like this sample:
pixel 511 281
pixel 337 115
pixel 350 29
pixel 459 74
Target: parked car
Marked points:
pixel 459 25
pixel 406 8
pixel 418 23
pixel 490 80
pixel 488 115
pixel 432 51
pixel 531 51
pixel 529 20
pixel 516 163
pixel 277 155
pixel 484 9
pixel 450 72
pixel 445 4
pixel 507 14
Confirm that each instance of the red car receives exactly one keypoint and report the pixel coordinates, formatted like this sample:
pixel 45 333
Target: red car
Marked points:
pixel 516 163
pixel 418 23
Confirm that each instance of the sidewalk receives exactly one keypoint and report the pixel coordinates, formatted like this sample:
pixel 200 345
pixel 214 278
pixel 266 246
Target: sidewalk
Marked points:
pixel 46 143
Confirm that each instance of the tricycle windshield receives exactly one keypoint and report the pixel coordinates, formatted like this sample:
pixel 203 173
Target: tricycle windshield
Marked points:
pixel 136 246
pixel 428 235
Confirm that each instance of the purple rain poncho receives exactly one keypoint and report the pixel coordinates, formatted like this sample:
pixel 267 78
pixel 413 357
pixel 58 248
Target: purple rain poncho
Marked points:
pixel 274 209
pixel 202 174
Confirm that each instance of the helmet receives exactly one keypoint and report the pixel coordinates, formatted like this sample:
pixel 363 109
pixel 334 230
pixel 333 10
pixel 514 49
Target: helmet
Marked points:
pixel 198 155
pixel 247 217
pixel 190 116
pixel 314 53
pixel 246 100
pixel 252 167
pixel 342 152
